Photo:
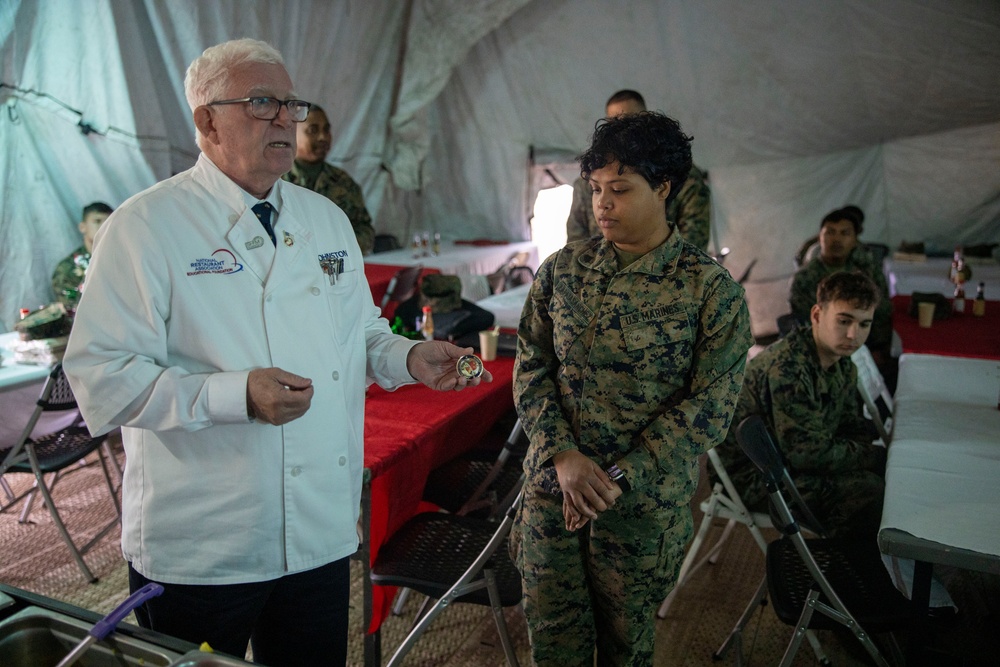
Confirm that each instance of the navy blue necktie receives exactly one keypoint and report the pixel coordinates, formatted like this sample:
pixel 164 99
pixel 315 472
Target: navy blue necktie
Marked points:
pixel 263 213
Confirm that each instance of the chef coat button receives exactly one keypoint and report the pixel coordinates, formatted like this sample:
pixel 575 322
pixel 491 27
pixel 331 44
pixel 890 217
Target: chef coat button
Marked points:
pixel 342 460
pixel 268 298
pixel 296 471
pixel 315 291
pixel 335 375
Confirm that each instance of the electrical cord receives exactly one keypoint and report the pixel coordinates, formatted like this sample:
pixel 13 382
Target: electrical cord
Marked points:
pixel 87 128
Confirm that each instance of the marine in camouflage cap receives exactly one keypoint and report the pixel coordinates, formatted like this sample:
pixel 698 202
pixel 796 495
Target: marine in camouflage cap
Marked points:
pixel 690 211
pixel 841 251
pixel 631 349
pixel 805 388
pixel 310 171
pixel 67 279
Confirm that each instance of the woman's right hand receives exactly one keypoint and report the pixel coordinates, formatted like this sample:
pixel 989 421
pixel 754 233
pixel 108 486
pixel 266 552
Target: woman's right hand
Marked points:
pixel 585 486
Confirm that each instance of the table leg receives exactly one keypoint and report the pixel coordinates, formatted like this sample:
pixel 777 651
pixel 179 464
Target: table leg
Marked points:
pixel 373 641
pixel 920 598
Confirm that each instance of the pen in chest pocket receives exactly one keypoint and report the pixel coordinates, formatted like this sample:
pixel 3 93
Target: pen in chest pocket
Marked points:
pixel 333 267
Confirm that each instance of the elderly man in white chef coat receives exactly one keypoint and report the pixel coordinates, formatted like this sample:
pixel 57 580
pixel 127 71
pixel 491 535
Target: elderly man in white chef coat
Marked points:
pixel 233 343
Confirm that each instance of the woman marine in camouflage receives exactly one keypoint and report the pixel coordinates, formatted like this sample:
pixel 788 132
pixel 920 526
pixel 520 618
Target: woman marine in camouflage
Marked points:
pixel 631 350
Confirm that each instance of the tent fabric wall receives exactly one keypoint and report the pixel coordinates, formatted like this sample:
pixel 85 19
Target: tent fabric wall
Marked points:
pixel 796 108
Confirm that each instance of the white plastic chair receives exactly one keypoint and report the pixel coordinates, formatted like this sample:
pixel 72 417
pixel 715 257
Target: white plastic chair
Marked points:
pixel 872 387
pixel 724 503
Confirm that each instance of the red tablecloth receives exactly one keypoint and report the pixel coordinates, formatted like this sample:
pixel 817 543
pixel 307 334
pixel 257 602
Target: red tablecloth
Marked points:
pixel 379 275
pixel 412 430
pixel 962 335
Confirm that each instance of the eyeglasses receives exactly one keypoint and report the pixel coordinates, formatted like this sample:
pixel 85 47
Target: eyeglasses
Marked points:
pixel 268 108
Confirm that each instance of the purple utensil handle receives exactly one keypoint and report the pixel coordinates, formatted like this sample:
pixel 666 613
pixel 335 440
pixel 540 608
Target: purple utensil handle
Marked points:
pixel 106 625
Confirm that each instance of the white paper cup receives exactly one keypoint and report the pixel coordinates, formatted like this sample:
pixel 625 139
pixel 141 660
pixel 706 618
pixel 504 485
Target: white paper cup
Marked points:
pixel 925 314
pixel 488 344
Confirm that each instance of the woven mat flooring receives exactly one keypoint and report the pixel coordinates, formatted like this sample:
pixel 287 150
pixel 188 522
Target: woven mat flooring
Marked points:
pixel 33 557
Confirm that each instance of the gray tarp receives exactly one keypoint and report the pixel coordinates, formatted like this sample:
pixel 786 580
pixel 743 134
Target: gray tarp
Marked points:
pixel 796 107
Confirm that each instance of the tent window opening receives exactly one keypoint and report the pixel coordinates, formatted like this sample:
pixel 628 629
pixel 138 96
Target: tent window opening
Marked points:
pixel 548 220
pixel 550 194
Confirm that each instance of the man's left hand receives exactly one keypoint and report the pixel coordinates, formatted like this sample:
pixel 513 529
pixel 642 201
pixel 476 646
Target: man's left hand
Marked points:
pixel 434 364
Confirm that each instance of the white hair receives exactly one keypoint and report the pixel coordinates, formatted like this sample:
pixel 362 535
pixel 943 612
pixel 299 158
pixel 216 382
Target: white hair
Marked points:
pixel 208 75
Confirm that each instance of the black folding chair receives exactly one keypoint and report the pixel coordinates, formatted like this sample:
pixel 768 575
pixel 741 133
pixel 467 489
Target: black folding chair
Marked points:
pixel 385 243
pixel 56 454
pixel 452 558
pixel 477 482
pixel 842 579
pixel 401 286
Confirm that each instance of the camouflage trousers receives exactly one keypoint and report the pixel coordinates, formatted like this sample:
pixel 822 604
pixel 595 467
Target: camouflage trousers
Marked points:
pixel 597 588
pixel 847 503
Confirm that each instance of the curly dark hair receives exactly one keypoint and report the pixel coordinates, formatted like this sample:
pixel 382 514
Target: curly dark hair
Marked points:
pixel 853 287
pixel 649 143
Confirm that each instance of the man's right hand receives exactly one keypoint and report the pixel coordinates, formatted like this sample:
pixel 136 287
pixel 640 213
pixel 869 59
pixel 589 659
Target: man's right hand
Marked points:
pixel 277 397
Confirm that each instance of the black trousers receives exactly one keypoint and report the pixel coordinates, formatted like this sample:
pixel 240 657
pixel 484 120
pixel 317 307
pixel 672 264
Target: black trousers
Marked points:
pixel 299 619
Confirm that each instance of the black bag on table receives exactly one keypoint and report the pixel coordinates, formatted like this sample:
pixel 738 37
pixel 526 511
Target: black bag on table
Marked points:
pixel 453 316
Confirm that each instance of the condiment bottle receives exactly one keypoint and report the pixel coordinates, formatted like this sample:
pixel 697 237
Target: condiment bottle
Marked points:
pixel 957 264
pixel 427 324
pixel 958 303
pixel 979 305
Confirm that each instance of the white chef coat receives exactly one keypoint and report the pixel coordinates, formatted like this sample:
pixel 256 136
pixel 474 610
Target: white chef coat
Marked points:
pixel 184 296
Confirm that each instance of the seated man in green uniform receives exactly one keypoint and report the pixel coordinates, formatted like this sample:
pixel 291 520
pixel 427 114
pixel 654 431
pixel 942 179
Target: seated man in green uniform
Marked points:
pixel 690 210
pixel 805 388
pixel 67 279
pixel 841 251
pixel 312 144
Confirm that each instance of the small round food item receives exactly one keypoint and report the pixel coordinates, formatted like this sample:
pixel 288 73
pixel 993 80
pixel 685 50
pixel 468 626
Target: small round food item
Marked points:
pixel 470 366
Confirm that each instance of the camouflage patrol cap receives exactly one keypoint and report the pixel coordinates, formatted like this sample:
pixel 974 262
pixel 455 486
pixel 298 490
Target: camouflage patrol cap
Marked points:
pixel 442 293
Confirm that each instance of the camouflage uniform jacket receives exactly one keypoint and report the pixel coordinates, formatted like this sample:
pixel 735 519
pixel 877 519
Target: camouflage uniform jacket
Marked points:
pixel 803 292
pixel 337 186
pixel 814 415
pixel 639 367
pixel 69 275
pixel 690 210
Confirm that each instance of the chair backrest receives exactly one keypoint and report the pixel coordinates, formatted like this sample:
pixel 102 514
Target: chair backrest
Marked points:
pixel 514 449
pixel 517 276
pixel 879 252
pixel 757 443
pixel 56 394
pixel 872 387
pixel 403 285
pixel 385 242
pixel 787 323
pixel 508 276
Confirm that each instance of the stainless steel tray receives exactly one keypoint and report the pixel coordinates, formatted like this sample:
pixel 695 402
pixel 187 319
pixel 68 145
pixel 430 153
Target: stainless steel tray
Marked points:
pixel 36 637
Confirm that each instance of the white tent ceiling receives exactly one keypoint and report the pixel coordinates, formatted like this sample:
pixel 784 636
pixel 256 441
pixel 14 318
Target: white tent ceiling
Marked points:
pixel 796 106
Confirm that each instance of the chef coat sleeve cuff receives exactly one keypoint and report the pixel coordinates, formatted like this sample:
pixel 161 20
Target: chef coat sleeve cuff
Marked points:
pixel 397 362
pixel 227 397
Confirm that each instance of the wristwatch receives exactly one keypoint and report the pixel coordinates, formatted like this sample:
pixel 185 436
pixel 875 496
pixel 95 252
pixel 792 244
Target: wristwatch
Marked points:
pixel 616 475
